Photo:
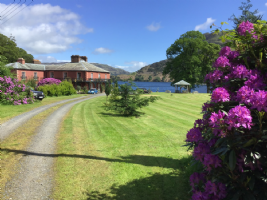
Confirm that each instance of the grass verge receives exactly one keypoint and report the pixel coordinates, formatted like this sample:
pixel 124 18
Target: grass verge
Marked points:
pixel 108 156
pixel 9 111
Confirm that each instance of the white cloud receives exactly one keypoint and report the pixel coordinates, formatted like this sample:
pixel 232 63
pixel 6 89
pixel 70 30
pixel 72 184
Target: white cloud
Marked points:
pixel 102 50
pixel 50 59
pixel 78 6
pixel 154 27
pixel 205 25
pixel 265 4
pixel 43 28
pixel 132 66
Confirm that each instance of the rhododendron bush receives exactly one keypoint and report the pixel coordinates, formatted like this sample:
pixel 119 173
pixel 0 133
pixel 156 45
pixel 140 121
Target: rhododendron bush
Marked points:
pixel 48 81
pixel 230 141
pixel 12 92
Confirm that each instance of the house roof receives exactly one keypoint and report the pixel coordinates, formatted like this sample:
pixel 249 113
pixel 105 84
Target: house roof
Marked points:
pixel 81 66
pixel 182 82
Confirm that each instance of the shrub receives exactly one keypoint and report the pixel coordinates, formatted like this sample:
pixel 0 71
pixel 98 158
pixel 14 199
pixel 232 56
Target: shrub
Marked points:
pixel 230 141
pixel 64 88
pixel 48 81
pixel 12 92
pixel 79 88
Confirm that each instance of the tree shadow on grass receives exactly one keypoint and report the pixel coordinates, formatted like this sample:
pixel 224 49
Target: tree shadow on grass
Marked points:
pixel 120 115
pixel 149 161
pixel 171 186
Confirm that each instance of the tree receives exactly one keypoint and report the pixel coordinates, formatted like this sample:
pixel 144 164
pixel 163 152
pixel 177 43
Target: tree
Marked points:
pixel 139 78
pixel 246 15
pixel 157 79
pixel 126 101
pixel 108 90
pixel 9 49
pixel 150 78
pixel 163 79
pixel 190 58
pixel 5 71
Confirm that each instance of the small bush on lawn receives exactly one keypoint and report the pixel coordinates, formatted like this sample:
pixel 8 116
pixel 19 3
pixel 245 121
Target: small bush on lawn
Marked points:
pixel 230 141
pixel 12 92
pixel 63 88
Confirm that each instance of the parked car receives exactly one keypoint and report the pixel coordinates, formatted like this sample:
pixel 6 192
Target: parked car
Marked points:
pixel 92 91
pixel 38 95
pixel 144 89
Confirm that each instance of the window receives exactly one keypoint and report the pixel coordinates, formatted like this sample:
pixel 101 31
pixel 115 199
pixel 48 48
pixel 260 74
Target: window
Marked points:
pixel 98 75
pixel 23 77
pixel 91 75
pixel 105 76
pixel 79 75
pixel 35 76
pixel 51 74
pixel 65 75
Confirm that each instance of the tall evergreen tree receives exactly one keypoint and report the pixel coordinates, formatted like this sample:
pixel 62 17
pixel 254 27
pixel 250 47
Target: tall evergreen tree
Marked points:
pixel 246 15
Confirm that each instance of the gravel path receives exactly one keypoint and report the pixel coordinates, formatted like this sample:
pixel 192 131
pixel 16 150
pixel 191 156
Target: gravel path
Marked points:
pixel 10 126
pixel 35 177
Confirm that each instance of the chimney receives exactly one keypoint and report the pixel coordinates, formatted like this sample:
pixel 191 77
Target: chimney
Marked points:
pixel 36 61
pixel 21 60
pixel 84 58
pixel 75 58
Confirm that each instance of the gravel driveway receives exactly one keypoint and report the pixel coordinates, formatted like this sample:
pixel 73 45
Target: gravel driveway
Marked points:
pixel 34 179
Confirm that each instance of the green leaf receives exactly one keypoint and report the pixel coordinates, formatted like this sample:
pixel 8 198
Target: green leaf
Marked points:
pixel 248 195
pixel 251 183
pixel 219 150
pixel 232 160
pixel 250 142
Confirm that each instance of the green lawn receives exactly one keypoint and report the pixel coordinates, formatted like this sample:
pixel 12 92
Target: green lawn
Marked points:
pixel 103 155
pixel 9 111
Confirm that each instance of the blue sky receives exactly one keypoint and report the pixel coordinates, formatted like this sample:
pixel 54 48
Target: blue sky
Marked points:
pixel 128 34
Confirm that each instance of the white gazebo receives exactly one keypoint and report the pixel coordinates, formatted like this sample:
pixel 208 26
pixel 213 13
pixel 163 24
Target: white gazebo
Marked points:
pixel 181 84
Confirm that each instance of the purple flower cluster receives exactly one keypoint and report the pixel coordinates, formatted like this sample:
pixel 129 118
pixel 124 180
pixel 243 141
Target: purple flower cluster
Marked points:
pixel 244 27
pixel 225 51
pixel 239 116
pixel 216 121
pixel 244 94
pixel 259 100
pixel 48 81
pixel 222 61
pixel 220 94
pixel 240 71
pixel 11 92
pixel 212 191
pixel 214 76
pixel 194 135
pixel 255 80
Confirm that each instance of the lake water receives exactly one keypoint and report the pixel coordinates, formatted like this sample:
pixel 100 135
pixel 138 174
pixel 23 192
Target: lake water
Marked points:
pixel 163 86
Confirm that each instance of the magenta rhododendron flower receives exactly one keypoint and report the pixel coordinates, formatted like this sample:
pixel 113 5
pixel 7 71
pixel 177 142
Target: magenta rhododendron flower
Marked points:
pixel 196 178
pixel 201 150
pixel 216 121
pixel 194 135
pixel 245 26
pixel 211 161
pixel 222 61
pixel 255 80
pixel 233 54
pixel 244 94
pixel 240 71
pixel 225 51
pixel 239 116
pixel 220 94
pixel 259 100
pixel 214 76
pixel 48 81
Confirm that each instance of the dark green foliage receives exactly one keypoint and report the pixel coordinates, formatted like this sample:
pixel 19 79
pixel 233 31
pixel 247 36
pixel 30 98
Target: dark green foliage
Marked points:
pixel 246 15
pixel 9 49
pixel 150 78
pixel 79 88
pixel 5 71
pixel 190 58
pixel 65 88
pixel 108 89
pixel 157 79
pixel 126 101
pixel 139 78
pixel 30 82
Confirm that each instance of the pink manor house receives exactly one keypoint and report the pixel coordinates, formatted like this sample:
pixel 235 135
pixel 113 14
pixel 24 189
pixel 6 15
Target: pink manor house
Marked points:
pixel 79 71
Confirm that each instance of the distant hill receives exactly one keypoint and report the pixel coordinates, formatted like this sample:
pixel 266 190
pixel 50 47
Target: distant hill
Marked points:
pixel 213 38
pixel 113 70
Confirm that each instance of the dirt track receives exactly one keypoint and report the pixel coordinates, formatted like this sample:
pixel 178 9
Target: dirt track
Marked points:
pixel 34 180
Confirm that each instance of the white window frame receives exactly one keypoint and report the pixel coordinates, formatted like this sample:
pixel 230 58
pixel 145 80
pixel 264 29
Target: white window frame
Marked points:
pixel 98 75
pixel 78 75
pixel 23 76
pixel 92 75
pixel 51 74
pixel 64 75
pixel 105 76
pixel 35 77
